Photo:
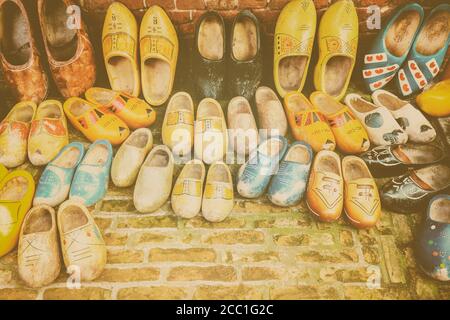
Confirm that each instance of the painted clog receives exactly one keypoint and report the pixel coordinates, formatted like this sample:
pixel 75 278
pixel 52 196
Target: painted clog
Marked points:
pixel 391 47
pixel 411 192
pixel 434 101
pixel 48 133
pixel 120 49
pixel 361 198
pixel 433 242
pixel 54 183
pixel 325 192
pixel 130 156
pixel 350 135
pixel 159 54
pixel 16 196
pixel 294 39
pixel 188 190
pixel 38 257
pixel 135 112
pixel 427 53
pixel 95 122
pixel 381 126
pixel 338 43
pixel 154 182
pixel 209 63
pixel 254 176
pixel 411 120
pixel 82 245
pixel 218 197
pixel 242 130
pixel 91 178
pixel 178 125
pixel 14 132
pixel 211 136
pixel 388 161
pixel 271 116
pixel 245 65
pixel 308 123
pixel 288 186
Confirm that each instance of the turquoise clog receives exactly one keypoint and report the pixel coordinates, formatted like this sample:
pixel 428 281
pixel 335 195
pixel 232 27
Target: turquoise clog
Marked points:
pixel 382 61
pixel 289 184
pixel 254 176
pixel 90 182
pixel 54 184
pixel 426 55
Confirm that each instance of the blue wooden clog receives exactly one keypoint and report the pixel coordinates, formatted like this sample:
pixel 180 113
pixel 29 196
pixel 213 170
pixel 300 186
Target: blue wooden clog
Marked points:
pixel 289 184
pixel 433 243
pixel 384 59
pixel 427 53
pixel 254 176
pixel 54 184
pixel 90 182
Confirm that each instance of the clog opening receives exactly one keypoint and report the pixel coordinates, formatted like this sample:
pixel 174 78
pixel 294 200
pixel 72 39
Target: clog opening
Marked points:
pixel 440 210
pixel 72 218
pixel 401 33
pixel 39 220
pixel 219 173
pixel 79 107
pixel 62 41
pixel 328 163
pixel 181 102
pixel 68 158
pixel 193 171
pixel 355 170
pixel 16 44
pixel 417 154
pixel 49 111
pixel 245 41
pixel 103 96
pixel 156 76
pixel 271 147
pixel 14 189
pixel 239 106
pixel 98 155
pixel 138 140
pixel 299 154
pixel 264 94
pixel 391 102
pixel 159 159
pixel 298 103
pixel 23 113
pixel 434 34
pixel 211 42
pixel 121 74
pixel 337 71
pixel 437 176
pixel 208 108
pixel 326 103
pixel 291 71
pixel 361 105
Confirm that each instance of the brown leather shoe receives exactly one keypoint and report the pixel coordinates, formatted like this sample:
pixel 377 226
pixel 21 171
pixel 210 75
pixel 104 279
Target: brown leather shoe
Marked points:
pixel 19 57
pixel 69 50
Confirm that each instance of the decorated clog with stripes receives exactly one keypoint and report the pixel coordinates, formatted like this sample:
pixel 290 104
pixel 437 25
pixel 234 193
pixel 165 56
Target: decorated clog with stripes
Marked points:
pixel 427 53
pixel 391 47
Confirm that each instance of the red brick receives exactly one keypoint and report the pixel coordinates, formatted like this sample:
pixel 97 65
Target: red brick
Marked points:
pixel 190 4
pixel 252 4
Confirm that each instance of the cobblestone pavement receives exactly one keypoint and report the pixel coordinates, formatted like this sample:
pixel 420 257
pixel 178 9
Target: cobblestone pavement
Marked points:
pixel 259 252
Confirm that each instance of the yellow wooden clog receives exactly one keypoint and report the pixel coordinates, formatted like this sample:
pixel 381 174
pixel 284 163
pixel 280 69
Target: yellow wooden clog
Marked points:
pixel 48 133
pixel 178 124
pixel 159 55
pixel 435 101
pixel 338 43
pixel 308 123
pixel 294 39
pixel 135 112
pixel 14 131
pixel 119 39
pixel 3 172
pixel 351 137
pixel 16 196
pixel 95 122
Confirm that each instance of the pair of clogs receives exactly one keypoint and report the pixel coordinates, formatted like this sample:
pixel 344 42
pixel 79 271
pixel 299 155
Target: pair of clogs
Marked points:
pixel 215 200
pixel 16 197
pixel 221 64
pixel 158 45
pixel 82 177
pixel 40 131
pixel 282 169
pixel 82 245
pixel 294 38
pixel 69 51
pixel 419 44
pixel 324 123
pixel 350 186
